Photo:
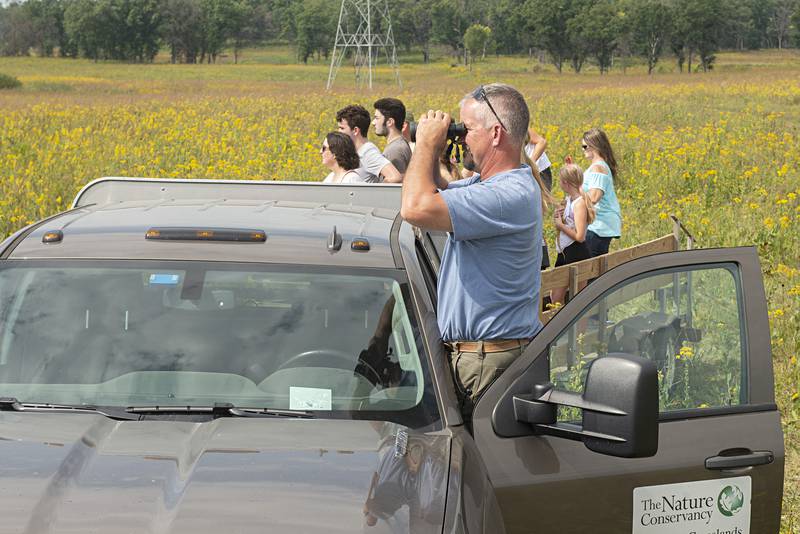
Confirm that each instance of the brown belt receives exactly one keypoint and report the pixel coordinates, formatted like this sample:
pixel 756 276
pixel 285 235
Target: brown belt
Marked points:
pixel 490 345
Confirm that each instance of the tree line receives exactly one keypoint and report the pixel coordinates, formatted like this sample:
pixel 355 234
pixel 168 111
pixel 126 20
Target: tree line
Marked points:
pixel 569 33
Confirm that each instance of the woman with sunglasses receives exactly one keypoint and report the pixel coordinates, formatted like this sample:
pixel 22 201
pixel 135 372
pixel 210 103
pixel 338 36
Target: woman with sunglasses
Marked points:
pixel 340 156
pixel 598 182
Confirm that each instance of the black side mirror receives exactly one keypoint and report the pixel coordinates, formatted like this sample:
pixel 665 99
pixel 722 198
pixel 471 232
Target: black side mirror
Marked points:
pixel 619 403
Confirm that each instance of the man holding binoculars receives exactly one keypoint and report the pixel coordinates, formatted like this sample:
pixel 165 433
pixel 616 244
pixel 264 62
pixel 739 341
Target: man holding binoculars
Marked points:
pixel 489 279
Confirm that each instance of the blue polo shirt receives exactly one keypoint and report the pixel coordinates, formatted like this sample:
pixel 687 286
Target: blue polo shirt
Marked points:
pixel 490 273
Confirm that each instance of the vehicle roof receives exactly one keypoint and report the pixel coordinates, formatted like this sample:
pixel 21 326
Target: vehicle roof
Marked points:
pixel 111 221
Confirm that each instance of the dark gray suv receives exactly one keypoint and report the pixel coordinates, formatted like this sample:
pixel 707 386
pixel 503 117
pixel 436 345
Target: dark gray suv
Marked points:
pixel 206 356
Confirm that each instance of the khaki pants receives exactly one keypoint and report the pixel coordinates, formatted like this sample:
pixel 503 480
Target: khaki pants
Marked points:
pixel 475 371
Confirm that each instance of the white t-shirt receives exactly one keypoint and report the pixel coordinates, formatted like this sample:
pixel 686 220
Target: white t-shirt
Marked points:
pixel 372 161
pixel 543 162
pixel 350 177
pixel 569 220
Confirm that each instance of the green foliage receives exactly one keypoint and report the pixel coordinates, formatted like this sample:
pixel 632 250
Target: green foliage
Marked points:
pixel 449 24
pixel 570 31
pixel 597 27
pixel 796 24
pixel 9 82
pixel 476 39
pixel 739 22
pixel 576 29
pixel 412 25
pixel 140 21
pixel 45 19
pixel 112 29
pixel 16 32
pixel 81 25
pixel 316 28
pixel 780 24
pixel 510 27
pixel 182 30
pixel 698 27
pixel 278 18
pixel 650 24
pixel 217 18
pixel 547 22
pixel 242 25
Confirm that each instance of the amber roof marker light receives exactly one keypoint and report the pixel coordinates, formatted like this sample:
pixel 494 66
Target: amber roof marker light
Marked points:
pixel 360 244
pixel 239 235
pixel 53 236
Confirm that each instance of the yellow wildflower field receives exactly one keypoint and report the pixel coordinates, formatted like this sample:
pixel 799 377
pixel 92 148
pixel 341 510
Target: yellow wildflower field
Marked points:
pixel 721 151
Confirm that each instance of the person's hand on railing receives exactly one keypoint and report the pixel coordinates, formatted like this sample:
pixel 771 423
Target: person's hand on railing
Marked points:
pixel 558 217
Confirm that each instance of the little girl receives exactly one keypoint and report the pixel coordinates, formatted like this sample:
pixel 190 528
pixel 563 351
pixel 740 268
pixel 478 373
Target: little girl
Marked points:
pixel 571 222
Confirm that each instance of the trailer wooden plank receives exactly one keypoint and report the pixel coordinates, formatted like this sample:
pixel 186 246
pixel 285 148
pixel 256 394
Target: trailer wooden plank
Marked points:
pixel 573 277
pixel 668 243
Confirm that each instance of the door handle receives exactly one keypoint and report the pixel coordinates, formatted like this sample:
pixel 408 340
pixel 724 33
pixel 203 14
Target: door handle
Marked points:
pixel 735 461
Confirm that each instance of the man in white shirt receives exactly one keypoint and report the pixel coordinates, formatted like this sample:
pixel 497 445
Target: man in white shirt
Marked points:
pixel 354 121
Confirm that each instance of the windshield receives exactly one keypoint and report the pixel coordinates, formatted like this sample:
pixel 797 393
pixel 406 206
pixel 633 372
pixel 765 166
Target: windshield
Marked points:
pixel 195 334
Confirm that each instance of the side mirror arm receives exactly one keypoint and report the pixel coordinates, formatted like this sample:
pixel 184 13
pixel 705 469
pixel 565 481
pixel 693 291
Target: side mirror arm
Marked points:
pixel 540 409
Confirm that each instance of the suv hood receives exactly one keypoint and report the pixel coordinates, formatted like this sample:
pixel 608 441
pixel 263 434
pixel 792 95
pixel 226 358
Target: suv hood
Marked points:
pixel 86 473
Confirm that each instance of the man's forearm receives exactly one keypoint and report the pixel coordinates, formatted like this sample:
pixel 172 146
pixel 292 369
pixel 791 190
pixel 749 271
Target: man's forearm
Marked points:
pixel 390 174
pixel 440 181
pixel 422 205
pixel 421 178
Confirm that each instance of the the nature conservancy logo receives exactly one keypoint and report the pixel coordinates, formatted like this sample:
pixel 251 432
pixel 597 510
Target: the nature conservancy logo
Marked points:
pixel 730 501
pixel 672 509
pixel 719 506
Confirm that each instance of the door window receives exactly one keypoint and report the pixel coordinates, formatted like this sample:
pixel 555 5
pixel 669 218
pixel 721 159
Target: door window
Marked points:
pixel 687 321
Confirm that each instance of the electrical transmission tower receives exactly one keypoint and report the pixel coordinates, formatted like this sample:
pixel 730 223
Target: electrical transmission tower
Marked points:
pixel 365 27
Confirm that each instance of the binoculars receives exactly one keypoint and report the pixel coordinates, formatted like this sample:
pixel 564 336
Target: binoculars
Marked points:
pixel 456 130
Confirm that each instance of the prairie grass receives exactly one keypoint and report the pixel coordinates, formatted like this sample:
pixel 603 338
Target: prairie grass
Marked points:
pixel 719 150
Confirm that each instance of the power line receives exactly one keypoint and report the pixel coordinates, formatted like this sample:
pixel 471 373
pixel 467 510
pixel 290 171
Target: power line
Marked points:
pixel 366 27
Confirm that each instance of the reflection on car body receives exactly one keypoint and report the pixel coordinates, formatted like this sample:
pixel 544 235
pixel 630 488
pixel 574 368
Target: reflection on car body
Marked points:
pixel 405 488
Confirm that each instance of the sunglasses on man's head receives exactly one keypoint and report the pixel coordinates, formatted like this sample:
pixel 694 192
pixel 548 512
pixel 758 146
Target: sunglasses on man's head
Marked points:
pixel 479 94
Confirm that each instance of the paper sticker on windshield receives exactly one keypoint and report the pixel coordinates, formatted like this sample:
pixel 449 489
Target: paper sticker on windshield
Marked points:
pixel 164 279
pixel 310 399
pixel 719 506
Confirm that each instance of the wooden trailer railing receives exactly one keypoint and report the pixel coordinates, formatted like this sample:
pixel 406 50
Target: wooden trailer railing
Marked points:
pixel 574 276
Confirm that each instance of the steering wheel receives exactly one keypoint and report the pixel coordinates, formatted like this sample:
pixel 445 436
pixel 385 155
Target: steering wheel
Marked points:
pixel 331 358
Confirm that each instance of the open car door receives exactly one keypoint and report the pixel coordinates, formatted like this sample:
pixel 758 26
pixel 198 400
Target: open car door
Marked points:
pixel 711 460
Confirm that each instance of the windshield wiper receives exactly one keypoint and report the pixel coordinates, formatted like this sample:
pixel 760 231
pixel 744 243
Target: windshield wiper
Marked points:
pixel 269 412
pixel 219 409
pixel 11 403
pixel 133 413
